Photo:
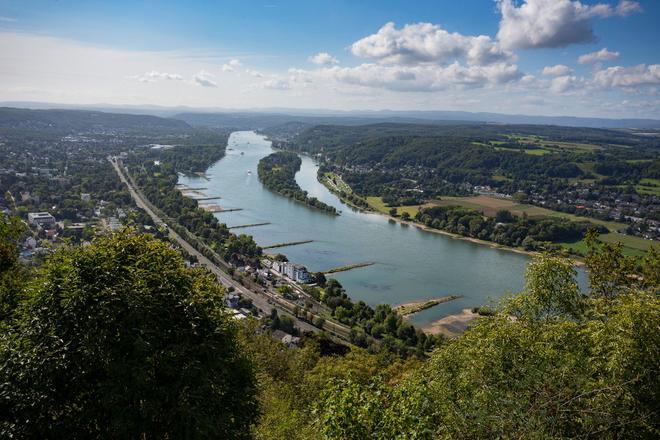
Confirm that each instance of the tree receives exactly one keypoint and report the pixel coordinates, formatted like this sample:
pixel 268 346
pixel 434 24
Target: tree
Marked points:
pixel 393 212
pixel 120 340
pixel 610 272
pixel 12 274
pixel 550 292
pixel 504 216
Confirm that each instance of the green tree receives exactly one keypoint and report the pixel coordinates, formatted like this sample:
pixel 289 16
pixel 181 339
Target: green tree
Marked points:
pixel 12 273
pixel 120 340
pixel 610 272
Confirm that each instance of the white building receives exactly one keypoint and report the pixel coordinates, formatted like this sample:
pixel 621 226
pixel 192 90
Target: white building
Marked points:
pixel 296 272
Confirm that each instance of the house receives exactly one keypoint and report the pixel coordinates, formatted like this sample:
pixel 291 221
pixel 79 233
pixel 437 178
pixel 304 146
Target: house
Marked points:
pixel 85 197
pixel 41 219
pixel 290 340
pixel 232 300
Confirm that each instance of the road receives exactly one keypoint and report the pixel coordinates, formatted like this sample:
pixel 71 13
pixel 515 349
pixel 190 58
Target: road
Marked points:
pixel 264 301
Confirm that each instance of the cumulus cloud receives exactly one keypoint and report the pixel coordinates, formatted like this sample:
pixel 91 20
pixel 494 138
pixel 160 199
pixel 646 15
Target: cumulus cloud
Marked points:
pixel 635 76
pixel 254 73
pixel 154 76
pixel 428 43
pixel 601 55
pixel 231 66
pixel 557 70
pixel 564 83
pixel 323 59
pixel 204 79
pixel 553 23
pixel 420 78
pixel 276 84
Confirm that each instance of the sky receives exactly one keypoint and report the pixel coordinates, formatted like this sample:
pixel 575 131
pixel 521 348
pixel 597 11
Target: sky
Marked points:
pixel 538 57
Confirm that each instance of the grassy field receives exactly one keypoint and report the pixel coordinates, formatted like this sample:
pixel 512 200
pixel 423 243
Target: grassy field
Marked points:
pixel 378 204
pixel 632 246
pixel 531 151
pixel 649 186
pixel 490 205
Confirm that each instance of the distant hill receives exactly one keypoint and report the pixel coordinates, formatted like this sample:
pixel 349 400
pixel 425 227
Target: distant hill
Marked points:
pixel 269 117
pixel 72 121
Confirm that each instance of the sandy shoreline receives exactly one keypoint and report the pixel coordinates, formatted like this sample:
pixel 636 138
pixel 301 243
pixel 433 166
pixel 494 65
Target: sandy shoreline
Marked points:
pixel 451 326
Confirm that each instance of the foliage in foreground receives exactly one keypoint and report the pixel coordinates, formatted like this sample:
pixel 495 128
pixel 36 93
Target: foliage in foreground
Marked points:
pixel 120 340
pixel 551 363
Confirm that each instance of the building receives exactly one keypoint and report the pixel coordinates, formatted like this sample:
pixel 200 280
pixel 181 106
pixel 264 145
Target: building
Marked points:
pixel 41 219
pixel 296 272
pixel 85 197
pixel 232 300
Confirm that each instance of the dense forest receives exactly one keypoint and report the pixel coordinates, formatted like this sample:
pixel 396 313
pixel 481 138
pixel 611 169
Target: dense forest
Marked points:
pixel 278 171
pixel 475 154
pixel 120 339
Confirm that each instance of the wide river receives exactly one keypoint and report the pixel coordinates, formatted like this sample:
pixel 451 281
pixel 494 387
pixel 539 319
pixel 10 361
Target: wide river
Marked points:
pixel 411 264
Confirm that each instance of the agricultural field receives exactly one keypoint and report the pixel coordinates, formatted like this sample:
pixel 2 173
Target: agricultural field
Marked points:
pixel 648 186
pixel 490 205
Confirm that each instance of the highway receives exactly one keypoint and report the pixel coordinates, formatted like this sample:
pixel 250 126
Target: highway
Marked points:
pixel 264 301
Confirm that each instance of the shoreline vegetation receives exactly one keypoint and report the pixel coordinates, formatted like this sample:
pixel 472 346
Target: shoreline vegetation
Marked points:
pixel 408 309
pixel 326 178
pixel 277 172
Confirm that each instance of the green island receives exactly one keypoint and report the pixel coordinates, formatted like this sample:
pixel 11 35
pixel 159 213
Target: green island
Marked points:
pixel 277 172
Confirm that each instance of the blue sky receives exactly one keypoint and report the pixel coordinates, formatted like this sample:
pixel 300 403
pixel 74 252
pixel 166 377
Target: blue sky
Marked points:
pixel 178 53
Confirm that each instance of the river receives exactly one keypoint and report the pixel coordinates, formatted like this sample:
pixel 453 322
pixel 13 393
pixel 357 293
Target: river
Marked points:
pixel 411 264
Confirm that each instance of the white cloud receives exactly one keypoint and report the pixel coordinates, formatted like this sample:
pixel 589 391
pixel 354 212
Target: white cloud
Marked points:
pixel 323 59
pixel 8 19
pixel 553 23
pixel 231 66
pixel 601 55
pixel 276 84
pixel 557 70
pixel 564 83
pixel 635 76
pixel 254 73
pixel 154 76
pixel 204 79
pixel 420 78
pixel 428 43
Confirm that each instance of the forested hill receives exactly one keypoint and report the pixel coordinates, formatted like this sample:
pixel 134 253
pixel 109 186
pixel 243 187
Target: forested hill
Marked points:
pixel 327 137
pixel 76 121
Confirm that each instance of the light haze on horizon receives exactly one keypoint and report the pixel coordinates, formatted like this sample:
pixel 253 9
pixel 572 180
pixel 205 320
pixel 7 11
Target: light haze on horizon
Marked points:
pixel 595 58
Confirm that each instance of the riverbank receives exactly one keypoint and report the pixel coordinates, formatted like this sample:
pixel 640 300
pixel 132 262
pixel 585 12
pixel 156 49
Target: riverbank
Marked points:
pixel 577 262
pixel 407 309
pixel 451 326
